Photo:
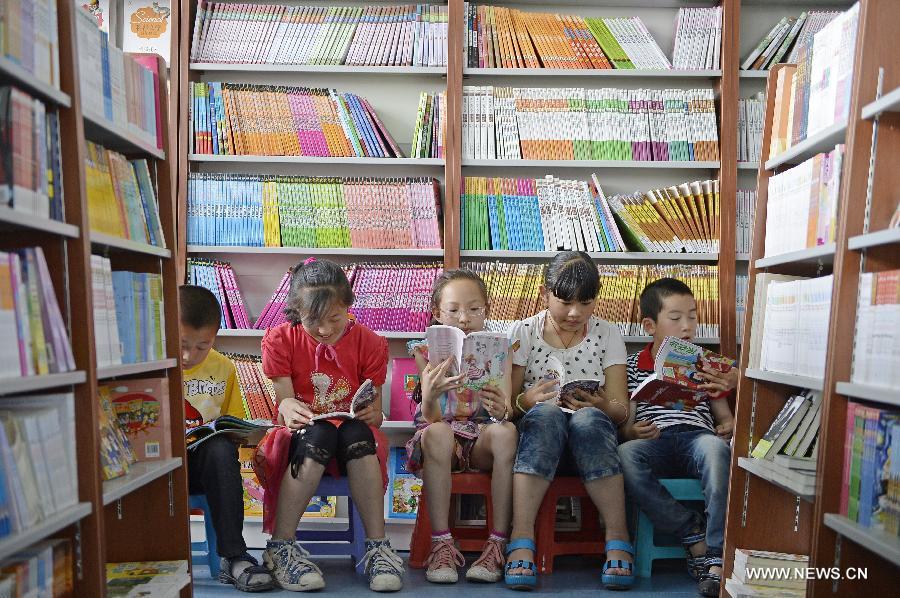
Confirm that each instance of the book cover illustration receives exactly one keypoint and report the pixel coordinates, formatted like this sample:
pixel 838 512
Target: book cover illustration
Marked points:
pixel 147 27
pixel 404 488
pixel 142 409
pixel 404 378
pixel 364 396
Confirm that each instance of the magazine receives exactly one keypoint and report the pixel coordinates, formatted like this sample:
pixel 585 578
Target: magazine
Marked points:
pixel 556 371
pixel 404 488
pixel 365 395
pixel 236 429
pixel 675 383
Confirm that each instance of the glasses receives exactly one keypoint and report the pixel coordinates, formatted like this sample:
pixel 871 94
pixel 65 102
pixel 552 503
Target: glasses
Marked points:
pixel 456 314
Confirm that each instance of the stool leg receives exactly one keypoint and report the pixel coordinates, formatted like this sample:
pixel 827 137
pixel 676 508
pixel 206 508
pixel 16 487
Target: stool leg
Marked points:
pixel 545 530
pixel 420 542
pixel 643 546
pixel 358 535
pixel 212 555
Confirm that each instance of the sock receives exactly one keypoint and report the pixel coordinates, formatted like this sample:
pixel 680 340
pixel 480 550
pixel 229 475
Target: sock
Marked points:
pixel 444 534
pixel 383 540
pixel 498 537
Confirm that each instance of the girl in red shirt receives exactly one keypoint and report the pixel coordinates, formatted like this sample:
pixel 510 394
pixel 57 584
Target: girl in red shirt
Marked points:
pixel 316 361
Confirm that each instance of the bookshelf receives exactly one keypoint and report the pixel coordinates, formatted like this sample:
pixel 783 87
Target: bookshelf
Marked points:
pixel 809 524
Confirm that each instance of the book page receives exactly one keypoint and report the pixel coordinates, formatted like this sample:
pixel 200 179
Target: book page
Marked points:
pixel 444 342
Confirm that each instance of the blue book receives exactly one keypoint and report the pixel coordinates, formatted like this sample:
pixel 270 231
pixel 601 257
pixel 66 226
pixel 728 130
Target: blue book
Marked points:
pixel 358 116
pixel 502 221
pixel 213 120
pixel 107 84
pixel 867 473
pixel 123 291
pixel 404 488
pixel 492 223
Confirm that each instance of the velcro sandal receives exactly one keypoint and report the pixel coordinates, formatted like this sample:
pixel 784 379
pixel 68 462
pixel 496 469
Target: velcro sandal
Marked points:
pixel 519 581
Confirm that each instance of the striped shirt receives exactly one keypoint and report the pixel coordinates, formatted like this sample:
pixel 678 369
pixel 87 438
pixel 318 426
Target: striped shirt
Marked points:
pixel 640 366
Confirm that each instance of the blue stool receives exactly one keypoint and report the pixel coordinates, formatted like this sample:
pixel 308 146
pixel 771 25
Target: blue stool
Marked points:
pixel 647 551
pixel 350 542
pixel 204 553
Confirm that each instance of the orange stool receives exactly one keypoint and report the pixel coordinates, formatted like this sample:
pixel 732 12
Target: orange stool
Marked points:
pixel 467 538
pixel 552 543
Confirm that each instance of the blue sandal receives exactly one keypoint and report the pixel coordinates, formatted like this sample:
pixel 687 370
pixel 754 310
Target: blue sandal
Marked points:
pixel 520 582
pixel 618 582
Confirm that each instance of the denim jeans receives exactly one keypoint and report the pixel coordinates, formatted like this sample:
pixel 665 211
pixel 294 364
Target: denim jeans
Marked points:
pixel 680 451
pixel 587 437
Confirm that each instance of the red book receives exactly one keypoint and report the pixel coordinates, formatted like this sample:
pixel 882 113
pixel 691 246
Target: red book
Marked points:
pixel 404 377
pixel 142 408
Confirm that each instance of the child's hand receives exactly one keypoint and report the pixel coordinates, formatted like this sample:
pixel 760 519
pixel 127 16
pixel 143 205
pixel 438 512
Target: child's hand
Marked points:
pixel 643 430
pixel 295 414
pixel 582 398
pixel 542 391
pixel 435 381
pixel 370 415
pixel 725 429
pixel 494 401
pixel 718 382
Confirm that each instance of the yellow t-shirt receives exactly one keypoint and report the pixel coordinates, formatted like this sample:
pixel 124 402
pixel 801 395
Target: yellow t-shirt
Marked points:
pixel 211 389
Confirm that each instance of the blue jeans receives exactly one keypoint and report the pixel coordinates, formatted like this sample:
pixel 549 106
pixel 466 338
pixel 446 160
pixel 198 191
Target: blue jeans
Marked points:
pixel 680 451
pixel 588 437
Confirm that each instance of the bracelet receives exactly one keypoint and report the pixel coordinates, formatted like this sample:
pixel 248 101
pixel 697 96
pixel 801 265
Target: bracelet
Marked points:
pixel 625 419
pixel 502 419
pixel 519 405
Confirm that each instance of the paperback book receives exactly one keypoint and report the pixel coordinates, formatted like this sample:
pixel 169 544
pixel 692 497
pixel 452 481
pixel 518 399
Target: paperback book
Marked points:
pixel 364 396
pixel 235 429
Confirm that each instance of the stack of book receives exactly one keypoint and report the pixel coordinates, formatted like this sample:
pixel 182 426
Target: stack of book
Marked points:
pixel 698 38
pixel 37 340
pixel 429 137
pixel 742 285
pixel 129 317
pixel 762 573
pixel 406 35
pixel 589 124
pixel 788 448
pixel 286 211
pixel 270 120
pixel 751 112
pixel 30 160
pixel 151 578
pixel 815 94
pixel 789 328
pixel 218 277
pixel 870 487
pixel 256 388
pixel 121 197
pixel 116 453
pixel 30 37
pixel 746 212
pixel 876 351
pixel 393 297
pixel 801 209
pixel 42 569
pixel 783 42
pixel 130 90
pixel 37 446
pixel 273 313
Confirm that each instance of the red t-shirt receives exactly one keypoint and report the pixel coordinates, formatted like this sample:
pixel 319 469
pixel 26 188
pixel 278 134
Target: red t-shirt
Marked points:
pixel 325 376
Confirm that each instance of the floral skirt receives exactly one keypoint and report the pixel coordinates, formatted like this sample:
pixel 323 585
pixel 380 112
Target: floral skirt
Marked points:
pixel 465 433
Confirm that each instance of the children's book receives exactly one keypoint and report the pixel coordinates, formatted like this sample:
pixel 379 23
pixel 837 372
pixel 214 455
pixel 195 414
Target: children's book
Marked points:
pixel 404 377
pixel 365 396
pixel 555 371
pixel 404 488
pixel 321 506
pixel 782 427
pixel 676 381
pixel 142 409
pixel 236 429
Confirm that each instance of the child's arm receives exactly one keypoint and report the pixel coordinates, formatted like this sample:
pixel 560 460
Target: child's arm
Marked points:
pixel 434 382
pixel 722 416
pixel 641 430
pixel 716 381
pixel 291 412
pixel 523 401
pixel 372 414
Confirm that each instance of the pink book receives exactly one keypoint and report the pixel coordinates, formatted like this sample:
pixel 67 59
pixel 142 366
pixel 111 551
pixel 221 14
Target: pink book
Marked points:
pixel 151 63
pixel 223 293
pixel 848 450
pixel 264 315
pixel 65 361
pixel 238 309
pixel 404 377
pixel 381 129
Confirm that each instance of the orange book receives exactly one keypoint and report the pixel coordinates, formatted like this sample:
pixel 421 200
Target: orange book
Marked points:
pixel 529 53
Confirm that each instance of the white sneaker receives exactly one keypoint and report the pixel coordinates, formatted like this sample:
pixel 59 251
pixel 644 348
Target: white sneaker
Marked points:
pixel 291 568
pixel 383 566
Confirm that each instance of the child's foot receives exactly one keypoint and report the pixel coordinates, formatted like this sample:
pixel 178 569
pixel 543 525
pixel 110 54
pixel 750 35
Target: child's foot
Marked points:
pixel 383 566
pixel 711 580
pixel 442 561
pixel 291 568
pixel 520 554
pixel 489 566
pixel 695 547
pixel 246 574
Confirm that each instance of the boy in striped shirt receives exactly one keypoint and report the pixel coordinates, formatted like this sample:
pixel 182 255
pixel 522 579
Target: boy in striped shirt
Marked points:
pixel 668 443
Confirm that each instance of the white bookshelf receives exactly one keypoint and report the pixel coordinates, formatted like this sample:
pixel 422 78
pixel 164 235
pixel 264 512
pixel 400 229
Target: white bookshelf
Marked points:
pixel 231 159
pixel 889 102
pixel 20 219
pixel 889 236
pixel 643 164
pixel 33 85
pixel 880 543
pixel 114 242
pixel 56 522
pixel 118 137
pixel 9 386
pixel 601 73
pixel 139 475
pixel 754 74
pixel 823 141
pixel 129 369
pixel 786 379
pixel 331 69
pixel 605 256
pixel 880 394
pixel 349 251
pixel 702 340
pixel 255 333
pixel 748 166
pixel 753 466
pixel 823 254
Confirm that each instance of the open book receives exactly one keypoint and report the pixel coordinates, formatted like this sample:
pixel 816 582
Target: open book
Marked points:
pixel 556 371
pixel 675 383
pixel 236 429
pixel 365 395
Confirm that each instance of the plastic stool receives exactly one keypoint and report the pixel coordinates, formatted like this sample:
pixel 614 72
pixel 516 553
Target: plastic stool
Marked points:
pixel 647 551
pixel 467 538
pixel 551 543
pixel 204 553
pixel 349 542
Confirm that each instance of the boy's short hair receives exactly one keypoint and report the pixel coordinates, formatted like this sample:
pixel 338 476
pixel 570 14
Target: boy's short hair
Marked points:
pixel 654 293
pixel 199 307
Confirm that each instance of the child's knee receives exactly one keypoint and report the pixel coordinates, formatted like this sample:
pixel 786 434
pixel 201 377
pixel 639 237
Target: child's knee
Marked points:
pixel 221 451
pixel 504 440
pixel 437 440
pixel 355 441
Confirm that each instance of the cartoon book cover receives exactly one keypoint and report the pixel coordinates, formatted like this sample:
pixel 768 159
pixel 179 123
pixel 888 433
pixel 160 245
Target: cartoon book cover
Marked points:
pixel 147 27
pixel 404 488
pixel 142 409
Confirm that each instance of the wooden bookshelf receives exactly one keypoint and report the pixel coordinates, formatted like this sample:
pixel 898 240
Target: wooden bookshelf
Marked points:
pixel 595 73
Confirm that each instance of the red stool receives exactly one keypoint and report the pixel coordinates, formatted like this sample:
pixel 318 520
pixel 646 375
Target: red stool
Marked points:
pixel 552 543
pixel 467 538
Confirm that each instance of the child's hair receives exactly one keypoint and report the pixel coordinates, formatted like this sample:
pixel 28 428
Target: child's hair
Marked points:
pixel 654 293
pixel 573 276
pixel 446 278
pixel 199 307
pixel 316 285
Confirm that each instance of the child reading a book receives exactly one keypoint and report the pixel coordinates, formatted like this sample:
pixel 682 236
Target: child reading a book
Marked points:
pixel 583 442
pixel 667 442
pixel 211 390
pixel 317 360
pixel 461 428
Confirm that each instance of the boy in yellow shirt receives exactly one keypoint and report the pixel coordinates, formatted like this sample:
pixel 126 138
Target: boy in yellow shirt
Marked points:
pixel 210 390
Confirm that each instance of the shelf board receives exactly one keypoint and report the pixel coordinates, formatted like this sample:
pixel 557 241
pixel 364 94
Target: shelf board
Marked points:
pixel 398 426
pixel 256 333
pixel 128 245
pixel 754 74
pixel 881 394
pixel 786 379
pixel 823 141
pixel 888 236
pixel 750 464
pixel 117 137
pixel 352 251
pixel 135 368
pixel 823 254
pixel 19 384
pixel 742 257
pixel 418 162
pixel 22 78
pixel 701 340
pixel 140 474
pixel 334 69
pixel 889 102
pixel 13 544
pixel 618 3
pixel 880 543
pixel 607 256
pixel 748 165
pixel 615 73
pixel 21 219
pixel 670 165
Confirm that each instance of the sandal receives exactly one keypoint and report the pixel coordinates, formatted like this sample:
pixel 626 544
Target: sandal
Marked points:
pixel 520 582
pixel 254 578
pixel 696 565
pixel 618 582
pixel 710 583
